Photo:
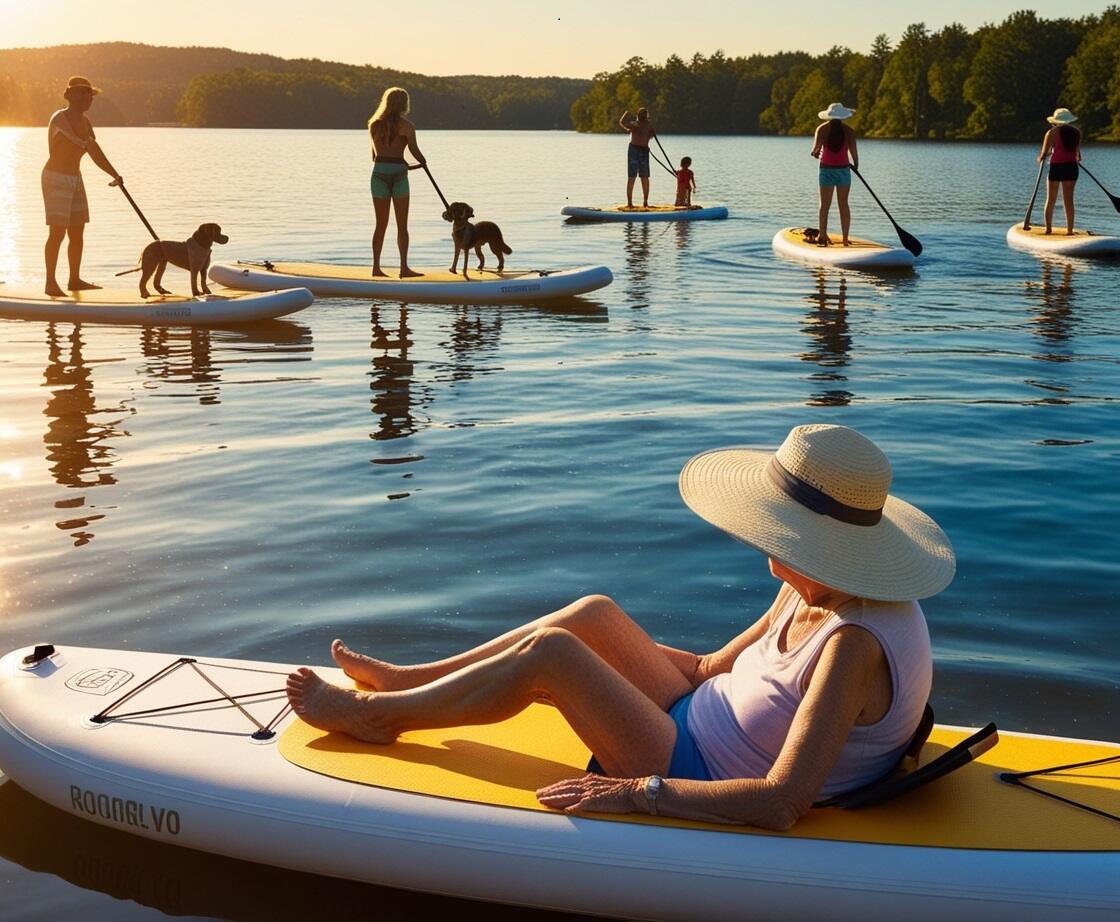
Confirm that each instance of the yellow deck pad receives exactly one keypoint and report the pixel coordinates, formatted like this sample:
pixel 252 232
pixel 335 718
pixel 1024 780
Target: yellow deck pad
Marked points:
pixel 854 243
pixel 503 764
pixel 648 209
pixel 362 273
pixel 115 296
pixel 1058 233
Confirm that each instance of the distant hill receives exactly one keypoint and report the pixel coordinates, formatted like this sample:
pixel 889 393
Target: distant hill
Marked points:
pixel 218 87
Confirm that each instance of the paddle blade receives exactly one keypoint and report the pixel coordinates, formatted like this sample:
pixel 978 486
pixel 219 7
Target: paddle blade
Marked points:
pixel 908 240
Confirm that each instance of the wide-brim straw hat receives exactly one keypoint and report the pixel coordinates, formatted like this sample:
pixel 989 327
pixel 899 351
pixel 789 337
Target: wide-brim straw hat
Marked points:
pixel 1061 116
pixel 836 110
pixel 80 83
pixel 821 504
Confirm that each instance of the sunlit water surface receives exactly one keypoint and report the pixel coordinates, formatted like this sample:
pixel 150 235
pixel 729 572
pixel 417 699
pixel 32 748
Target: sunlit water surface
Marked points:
pixel 418 478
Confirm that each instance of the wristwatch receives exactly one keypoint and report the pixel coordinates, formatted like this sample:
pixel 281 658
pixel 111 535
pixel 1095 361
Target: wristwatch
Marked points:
pixel 652 789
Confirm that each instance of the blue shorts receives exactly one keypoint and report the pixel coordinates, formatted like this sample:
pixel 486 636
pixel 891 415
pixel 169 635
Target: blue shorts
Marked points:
pixel 686 761
pixel 835 176
pixel 637 161
pixel 389 180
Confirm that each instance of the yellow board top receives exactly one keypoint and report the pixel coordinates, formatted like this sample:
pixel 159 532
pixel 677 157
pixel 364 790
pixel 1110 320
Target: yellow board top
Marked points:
pixel 793 236
pixel 503 764
pixel 1039 230
pixel 362 273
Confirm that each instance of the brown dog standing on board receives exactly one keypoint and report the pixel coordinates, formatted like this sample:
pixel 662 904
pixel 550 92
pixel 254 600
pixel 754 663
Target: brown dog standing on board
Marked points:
pixel 469 236
pixel 192 254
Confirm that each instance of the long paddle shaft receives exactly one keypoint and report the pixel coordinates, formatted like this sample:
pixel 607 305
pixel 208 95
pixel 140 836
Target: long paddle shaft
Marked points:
pixel 912 243
pixel 120 183
pixel 436 187
pixel 1034 195
pixel 668 162
pixel 1115 198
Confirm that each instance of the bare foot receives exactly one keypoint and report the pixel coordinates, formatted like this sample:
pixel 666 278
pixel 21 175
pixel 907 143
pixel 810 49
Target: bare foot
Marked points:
pixel 328 707
pixel 1069 233
pixel 823 240
pixel 79 285
pixel 1047 231
pixel 377 273
pixel 54 291
pixel 847 242
pixel 379 675
pixel 407 273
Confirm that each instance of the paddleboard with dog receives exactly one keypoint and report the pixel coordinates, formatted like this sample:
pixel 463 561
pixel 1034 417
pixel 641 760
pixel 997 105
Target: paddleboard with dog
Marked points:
pixel 205 753
pixel 126 306
pixel 434 286
pixel 645 212
pixel 801 243
pixel 1079 243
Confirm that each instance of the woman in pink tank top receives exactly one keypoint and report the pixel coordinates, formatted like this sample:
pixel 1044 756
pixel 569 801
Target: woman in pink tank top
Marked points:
pixel 820 694
pixel 1063 143
pixel 833 143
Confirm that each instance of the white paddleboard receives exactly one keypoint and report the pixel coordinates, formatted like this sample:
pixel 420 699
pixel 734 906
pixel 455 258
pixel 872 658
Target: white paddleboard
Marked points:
pixel 646 213
pixel 125 306
pixel 174 760
pixel 859 254
pixel 434 286
pixel 1079 243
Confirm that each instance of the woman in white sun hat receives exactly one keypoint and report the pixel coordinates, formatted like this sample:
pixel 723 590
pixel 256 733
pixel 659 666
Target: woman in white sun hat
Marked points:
pixel 833 143
pixel 1063 144
pixel 820 695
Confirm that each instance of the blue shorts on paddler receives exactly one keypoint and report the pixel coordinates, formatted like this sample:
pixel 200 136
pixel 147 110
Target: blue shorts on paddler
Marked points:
pixel 835 176
pixel 686 761
pixel 637 161
pixel 389 179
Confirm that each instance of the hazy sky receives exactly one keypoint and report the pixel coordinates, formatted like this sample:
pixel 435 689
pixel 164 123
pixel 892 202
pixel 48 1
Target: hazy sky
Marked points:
pixel 573 38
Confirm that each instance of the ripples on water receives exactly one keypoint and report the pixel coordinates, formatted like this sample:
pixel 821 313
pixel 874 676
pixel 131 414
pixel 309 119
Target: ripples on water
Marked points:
pixel 418 477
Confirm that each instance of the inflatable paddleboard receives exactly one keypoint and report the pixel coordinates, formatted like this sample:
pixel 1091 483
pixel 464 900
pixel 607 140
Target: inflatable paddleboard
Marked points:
pixel 1080 243
pixel 647 213
pixel 434 286
pixel 109 305
pixel 859 254
pixel 205 753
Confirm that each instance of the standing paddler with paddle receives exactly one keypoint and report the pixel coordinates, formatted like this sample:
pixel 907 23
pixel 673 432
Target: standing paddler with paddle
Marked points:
pixel 390 133
pixel 641 132
pixel 1063 145
pixel 832 144
pixel 70 136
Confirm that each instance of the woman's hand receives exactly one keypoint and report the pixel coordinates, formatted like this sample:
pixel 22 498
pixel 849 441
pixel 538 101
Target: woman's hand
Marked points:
pixel 594 794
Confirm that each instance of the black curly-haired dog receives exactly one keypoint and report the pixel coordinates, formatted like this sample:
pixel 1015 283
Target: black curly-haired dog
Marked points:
pixel 469 237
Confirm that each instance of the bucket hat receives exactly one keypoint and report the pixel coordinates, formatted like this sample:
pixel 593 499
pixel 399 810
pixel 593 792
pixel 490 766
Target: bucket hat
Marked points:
pixel 80 83
pixel 821 504
pixel 836 110
pixel 1061 116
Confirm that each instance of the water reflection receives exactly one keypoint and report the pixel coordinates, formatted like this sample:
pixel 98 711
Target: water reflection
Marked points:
pixel 79 454
pixel 397 396
pixel 636 247
pixel 1054 319
pixel 182 355
pixel 474 337
pixel 183 882
pixel 830 339
pixel 79 439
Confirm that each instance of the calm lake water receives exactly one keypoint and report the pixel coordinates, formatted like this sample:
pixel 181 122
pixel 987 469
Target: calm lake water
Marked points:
pixel 418 478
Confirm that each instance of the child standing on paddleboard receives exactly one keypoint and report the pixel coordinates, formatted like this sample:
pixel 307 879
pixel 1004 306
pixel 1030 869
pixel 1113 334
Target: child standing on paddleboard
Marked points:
pixel 686 182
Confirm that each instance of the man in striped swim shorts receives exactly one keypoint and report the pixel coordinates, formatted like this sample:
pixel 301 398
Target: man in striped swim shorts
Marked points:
pixel 70 136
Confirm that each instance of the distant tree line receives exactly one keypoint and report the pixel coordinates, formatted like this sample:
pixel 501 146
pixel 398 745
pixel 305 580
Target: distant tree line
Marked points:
pixel 217 87
pixel 996 83
pixel 339 96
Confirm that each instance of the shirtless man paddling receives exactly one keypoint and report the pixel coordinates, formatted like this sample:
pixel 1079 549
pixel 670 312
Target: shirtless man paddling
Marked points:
pixel 70 135
pixel 637 155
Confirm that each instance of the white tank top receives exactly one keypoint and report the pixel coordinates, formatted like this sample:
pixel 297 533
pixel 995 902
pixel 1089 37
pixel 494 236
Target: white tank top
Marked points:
pixel 740 719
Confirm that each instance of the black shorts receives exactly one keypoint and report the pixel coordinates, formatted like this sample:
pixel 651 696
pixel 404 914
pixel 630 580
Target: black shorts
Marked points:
pixel 1064 172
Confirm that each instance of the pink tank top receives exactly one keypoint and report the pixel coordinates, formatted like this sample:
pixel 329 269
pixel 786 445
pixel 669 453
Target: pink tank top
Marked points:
pixel 835 158
pixel 1060 153
pixel 740 719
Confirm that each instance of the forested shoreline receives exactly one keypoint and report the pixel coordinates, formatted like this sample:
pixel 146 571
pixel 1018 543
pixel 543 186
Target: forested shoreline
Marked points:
pixel 996 83
pixel 221 88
